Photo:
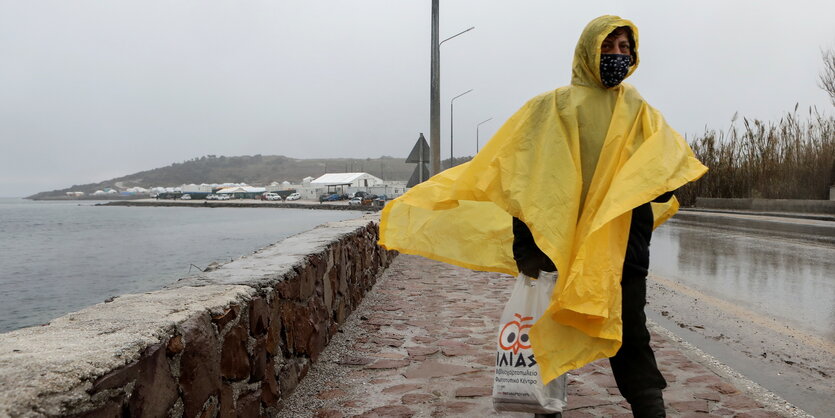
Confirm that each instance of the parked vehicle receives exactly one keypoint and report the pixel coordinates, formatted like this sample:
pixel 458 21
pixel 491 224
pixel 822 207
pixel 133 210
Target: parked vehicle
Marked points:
pixel 223 197
pixel 355 201
pixel 211 197
pixel 169 195
pixel 368 199
pixel 185 197
pixel 328 198
pixel 272 196
pixel 294 196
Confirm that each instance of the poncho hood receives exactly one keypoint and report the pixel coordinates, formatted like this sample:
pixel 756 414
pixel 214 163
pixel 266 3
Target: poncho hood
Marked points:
pixel 585 70
pixel 533 169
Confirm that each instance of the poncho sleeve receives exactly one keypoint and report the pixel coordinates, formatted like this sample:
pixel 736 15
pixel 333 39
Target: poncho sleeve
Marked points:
pixel 463 216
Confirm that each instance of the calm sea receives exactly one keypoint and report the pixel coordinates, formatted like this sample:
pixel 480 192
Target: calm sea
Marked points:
pixel 58 257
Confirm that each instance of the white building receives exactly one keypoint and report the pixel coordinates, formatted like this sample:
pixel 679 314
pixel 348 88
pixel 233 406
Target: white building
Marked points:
pixel 346 180
pixel 348 183
pixel 196 188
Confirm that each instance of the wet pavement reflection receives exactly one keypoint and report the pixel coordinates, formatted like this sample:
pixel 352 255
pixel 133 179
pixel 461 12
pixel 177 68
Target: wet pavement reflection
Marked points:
pixel 793 281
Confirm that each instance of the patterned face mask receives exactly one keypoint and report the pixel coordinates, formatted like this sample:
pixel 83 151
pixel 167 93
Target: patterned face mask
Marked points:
pixel 613 68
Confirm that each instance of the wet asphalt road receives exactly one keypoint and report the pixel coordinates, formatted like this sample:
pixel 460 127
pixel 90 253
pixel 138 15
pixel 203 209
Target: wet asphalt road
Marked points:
pixel 763 305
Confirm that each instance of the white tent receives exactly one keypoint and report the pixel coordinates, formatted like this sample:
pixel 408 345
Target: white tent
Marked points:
pixel 241 189
pixel 347 179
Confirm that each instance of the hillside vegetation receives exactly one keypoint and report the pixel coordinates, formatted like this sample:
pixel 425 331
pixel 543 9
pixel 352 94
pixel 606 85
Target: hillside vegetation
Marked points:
pixel 253 170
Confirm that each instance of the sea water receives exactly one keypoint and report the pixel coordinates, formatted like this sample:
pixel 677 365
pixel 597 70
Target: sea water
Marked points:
pixel 58 257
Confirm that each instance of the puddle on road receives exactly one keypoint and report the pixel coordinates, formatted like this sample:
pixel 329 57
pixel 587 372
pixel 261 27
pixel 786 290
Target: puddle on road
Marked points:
pixel 790 280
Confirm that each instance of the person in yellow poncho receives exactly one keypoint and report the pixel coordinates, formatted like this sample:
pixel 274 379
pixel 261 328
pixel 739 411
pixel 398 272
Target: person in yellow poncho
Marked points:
pixel 573 166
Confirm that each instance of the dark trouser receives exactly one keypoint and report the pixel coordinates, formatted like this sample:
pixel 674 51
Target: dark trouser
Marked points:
pixel 634 366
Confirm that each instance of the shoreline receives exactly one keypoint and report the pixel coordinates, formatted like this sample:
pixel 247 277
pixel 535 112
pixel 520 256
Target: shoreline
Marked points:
pixel 241 204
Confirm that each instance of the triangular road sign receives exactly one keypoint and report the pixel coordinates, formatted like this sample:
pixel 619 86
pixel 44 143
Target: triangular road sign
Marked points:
pixel 416 178
pixel 421 149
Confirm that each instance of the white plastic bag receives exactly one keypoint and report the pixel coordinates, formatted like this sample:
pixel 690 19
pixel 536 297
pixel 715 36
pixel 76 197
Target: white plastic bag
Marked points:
pixel 517 385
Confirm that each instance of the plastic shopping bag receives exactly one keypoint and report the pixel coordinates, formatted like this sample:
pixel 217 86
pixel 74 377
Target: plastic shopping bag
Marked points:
pixel 517 385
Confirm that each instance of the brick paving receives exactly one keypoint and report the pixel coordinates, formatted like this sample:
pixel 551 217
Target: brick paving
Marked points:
pixel 423 344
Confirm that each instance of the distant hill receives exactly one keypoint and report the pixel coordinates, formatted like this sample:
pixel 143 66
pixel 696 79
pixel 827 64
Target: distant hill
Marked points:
pixel 253 170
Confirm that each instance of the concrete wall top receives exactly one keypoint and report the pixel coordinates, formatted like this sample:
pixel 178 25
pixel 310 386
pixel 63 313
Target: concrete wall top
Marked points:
pixel 38 362
pixel 270 264
pixel 769 205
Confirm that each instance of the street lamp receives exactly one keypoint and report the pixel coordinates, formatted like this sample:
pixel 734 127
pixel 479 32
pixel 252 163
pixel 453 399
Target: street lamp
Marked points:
pixel 476 132
pixel 459 33
pixel 452 126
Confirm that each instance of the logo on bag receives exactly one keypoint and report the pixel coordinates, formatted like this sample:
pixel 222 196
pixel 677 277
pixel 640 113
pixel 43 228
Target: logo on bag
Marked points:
pixel 514 335
pixel 514 338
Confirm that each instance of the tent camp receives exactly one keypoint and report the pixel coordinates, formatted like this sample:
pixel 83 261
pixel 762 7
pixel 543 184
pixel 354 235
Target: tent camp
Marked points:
pixel 242 192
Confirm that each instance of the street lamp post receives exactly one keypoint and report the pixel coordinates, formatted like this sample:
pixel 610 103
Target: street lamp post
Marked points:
pixel 452 126
pixel 476 132
pixel 435 91
pixel 435 95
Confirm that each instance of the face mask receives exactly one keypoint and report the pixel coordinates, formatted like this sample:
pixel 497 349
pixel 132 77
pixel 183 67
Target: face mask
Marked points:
pixel 613 68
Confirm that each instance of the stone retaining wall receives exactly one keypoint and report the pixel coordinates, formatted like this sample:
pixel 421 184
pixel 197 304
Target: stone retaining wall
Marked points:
pixel 231 342
pixel 769 205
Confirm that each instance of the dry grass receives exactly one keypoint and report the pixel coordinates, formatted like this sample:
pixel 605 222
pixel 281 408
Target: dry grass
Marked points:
pixel 789 159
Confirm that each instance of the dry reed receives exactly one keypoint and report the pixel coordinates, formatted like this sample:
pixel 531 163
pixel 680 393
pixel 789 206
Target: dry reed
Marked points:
pixel 789 159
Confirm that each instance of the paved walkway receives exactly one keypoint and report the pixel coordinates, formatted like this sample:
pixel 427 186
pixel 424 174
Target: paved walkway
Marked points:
pixel 423 344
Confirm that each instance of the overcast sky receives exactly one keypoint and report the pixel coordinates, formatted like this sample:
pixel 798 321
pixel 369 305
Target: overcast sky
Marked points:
pixel 91 90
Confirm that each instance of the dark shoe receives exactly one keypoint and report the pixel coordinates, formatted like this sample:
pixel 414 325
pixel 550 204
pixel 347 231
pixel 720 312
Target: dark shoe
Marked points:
pixel 649 404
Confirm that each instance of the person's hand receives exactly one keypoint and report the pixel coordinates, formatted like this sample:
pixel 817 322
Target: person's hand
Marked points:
pixel 529 258
pixel 529 266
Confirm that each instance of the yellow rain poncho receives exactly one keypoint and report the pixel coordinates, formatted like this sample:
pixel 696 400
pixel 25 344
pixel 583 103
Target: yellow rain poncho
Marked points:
pixel 533 169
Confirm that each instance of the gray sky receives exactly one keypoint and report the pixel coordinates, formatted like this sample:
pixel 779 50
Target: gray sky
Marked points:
pixel 91 90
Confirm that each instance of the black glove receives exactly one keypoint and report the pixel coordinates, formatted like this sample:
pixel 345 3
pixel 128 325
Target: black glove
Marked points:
pixel 529 258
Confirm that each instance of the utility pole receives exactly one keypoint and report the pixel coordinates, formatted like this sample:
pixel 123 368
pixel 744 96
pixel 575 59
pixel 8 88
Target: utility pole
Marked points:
pixel 435 95
pixel 435 92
